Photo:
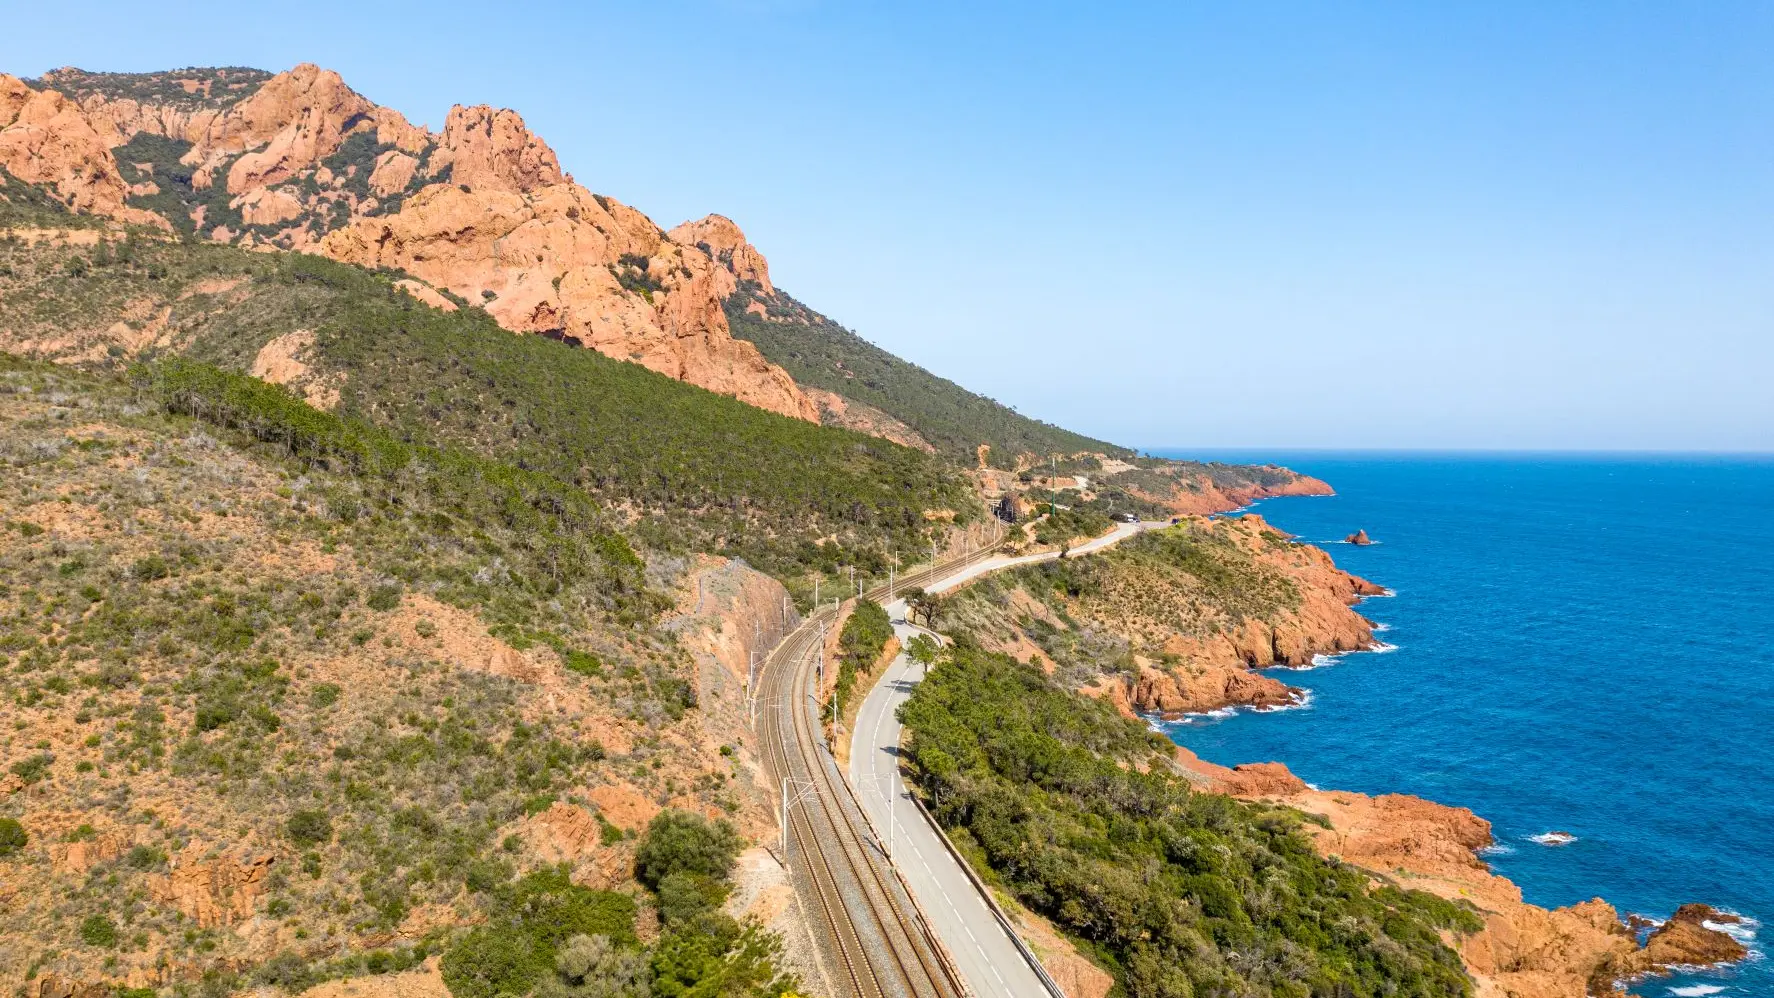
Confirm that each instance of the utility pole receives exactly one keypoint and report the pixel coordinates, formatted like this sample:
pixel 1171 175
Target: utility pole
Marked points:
pixel 892 819
pixel 784 844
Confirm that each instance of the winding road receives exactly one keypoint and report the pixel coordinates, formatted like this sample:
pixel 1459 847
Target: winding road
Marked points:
pixel 893 910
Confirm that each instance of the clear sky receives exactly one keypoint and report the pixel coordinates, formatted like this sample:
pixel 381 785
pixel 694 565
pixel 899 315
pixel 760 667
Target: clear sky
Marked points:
pixel 1490 224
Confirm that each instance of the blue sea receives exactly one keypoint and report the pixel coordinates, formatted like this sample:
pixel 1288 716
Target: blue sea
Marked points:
pixel 1583 644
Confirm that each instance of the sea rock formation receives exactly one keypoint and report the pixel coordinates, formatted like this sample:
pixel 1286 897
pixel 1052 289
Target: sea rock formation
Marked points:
pixel 1360 537
pixel 1201 495
pixel 1208 657
pixel 1523 951
pixel 1686 940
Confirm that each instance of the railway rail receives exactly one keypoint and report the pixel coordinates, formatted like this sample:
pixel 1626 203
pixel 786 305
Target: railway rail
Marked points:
pixel 878 943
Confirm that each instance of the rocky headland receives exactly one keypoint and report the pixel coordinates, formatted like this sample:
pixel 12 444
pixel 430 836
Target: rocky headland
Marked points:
pixel 1187 615
pixel 1524 951
pixel 1186 645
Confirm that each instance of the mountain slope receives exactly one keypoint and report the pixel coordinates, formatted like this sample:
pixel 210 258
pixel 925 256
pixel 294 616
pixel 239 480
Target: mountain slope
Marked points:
pixel 819 353
pixel 690 469
pixel 482 210
pixel 288 701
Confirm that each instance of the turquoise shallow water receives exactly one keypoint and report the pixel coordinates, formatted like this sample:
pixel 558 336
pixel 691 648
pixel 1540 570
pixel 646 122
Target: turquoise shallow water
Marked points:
pixel 1583 644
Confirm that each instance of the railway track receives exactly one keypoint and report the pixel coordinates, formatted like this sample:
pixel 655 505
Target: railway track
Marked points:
pixel 877 943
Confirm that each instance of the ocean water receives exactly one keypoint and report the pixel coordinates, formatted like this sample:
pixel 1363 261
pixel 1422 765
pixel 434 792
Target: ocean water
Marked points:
pixel 1583 645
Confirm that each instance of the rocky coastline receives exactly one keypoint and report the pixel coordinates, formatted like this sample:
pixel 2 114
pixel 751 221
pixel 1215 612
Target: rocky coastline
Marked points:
pixel 1524 951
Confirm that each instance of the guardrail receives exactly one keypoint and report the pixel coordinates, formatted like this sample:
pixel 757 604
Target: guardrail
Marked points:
pixel 985 891
pixel 931 938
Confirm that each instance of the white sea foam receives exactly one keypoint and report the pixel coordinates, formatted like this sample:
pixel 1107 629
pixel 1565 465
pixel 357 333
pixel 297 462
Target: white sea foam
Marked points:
pixel 1301 702
pixel 1497 849
pixel 1382 628
pixel 1743 931
pixel 1697 990
pixel 1206 717
pixel 1553 838
pixel 1381 648
pixel 1319 661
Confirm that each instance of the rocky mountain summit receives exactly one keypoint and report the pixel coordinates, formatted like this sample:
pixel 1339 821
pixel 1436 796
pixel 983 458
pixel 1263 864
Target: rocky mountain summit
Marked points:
pixel 480 213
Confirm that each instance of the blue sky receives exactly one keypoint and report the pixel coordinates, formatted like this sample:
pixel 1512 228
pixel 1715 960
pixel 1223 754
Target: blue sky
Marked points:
pixel 1222 225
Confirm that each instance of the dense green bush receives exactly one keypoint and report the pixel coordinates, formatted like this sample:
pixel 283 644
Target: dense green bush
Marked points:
pixel 528 924
pixel 309 827
pixel 1062 525
pixel 32 768
pixel 98 930
pixel 866 633
pixel 681 842
pixel 12 836
pixel 1078 812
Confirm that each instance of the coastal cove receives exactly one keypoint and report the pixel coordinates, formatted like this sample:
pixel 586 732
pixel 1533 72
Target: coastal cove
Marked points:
pixel 1578 644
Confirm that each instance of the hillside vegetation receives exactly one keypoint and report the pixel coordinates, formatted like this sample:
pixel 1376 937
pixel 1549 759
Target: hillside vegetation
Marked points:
pixel 823 354
pixel 1092 614
pixel 692 469
pixel 266 667
pixel 1076 811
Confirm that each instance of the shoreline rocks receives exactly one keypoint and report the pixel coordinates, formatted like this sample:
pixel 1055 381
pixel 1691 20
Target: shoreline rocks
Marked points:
pixel 1523 950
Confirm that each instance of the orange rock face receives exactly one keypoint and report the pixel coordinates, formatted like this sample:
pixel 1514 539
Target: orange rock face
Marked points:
pixel 46 139
pixel 495 150
pixel 1201 496
pixel 719 238
pixel 549 260
pixel 1523 951
pixel 484 210
pixel 214 892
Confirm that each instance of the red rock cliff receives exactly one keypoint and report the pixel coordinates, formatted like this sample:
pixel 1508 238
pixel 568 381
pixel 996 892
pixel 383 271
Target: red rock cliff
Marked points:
pixel 483 210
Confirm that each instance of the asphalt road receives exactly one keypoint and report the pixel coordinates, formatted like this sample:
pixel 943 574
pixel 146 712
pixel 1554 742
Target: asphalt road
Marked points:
pixel 981 947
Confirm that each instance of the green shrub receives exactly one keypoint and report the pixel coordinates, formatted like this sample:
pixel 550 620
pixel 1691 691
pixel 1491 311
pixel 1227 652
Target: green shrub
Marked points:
pixel 309 828
pixel 383 598
pixel 32 769
pixel 12 836
pixel 491 961
pixel 683 896
pixel 98 930
pixel 286 970
pixel 683 842
pixel 584 663
pixel 529 922
pixel 145 857
pixel 865 635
